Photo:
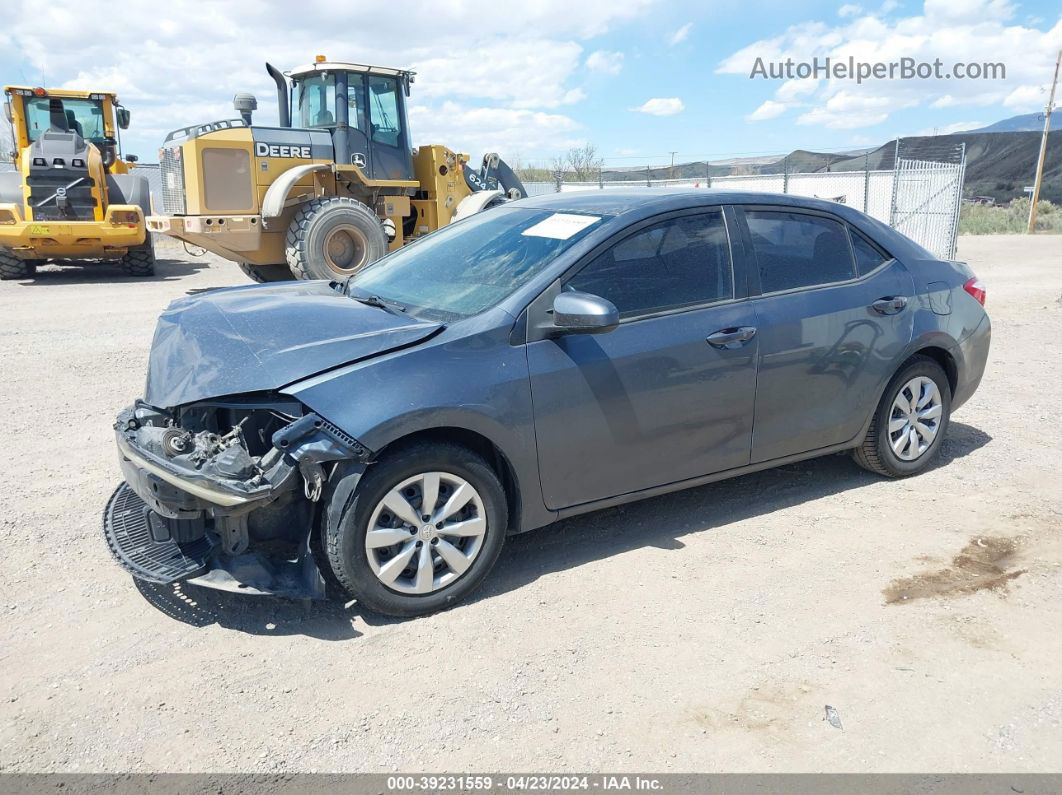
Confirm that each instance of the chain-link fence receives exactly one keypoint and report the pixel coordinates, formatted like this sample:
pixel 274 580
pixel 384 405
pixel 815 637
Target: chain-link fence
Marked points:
pixel 917 190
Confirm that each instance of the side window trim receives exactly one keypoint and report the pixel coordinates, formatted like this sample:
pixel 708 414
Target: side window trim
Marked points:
pixel 637 227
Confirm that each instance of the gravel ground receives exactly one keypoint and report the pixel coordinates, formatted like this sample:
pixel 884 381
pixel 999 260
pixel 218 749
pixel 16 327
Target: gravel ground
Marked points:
pixel 702 631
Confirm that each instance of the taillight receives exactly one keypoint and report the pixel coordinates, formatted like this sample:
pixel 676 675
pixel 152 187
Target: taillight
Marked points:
pixel 976 289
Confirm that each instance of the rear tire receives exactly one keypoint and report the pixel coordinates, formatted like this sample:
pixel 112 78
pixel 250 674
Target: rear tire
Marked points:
pixel 11 267
pixel 140 260
pixel 266 273
pixel 886 450
pixel 333 238
pixel 446 584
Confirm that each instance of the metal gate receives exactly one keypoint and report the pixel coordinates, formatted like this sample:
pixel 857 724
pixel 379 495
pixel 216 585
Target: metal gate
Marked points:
pixel 926 199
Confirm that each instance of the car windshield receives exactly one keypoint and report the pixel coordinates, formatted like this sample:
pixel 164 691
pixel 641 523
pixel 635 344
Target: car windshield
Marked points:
pixel 83 116
pixel 470 266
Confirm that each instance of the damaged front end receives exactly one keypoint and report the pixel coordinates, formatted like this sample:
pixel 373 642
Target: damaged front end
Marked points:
pixel 225 493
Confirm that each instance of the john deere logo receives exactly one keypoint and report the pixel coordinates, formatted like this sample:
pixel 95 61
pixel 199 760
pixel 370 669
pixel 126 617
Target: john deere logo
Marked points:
pixel 262 149
pixel 358 159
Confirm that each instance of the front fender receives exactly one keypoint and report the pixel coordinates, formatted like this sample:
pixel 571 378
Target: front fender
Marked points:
pixel 277 194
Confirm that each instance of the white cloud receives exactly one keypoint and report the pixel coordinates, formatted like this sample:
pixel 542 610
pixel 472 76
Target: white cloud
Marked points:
pixel 948 129
pixel 181 63
pixel 768 110
pixel 609 63
pixel 970 32
pixel 477 130
pixel 849 10
pixel 681 34
pixel 660 106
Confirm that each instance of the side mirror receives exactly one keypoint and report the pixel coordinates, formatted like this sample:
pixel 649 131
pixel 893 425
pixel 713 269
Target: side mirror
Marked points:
pixel 123 118
pixel 7 113
pixel 131 158
pixel 583 313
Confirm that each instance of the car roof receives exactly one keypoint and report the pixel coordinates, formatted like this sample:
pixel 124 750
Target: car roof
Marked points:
pixel 635 203
pixel 613 201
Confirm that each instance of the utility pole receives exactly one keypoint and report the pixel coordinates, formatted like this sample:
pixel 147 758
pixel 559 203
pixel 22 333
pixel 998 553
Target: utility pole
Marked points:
pixel 671 173
pixel 1043 148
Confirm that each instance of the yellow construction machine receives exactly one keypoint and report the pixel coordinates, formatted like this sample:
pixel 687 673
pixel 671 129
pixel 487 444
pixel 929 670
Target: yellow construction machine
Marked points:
pixel 331 188
pixel 71 195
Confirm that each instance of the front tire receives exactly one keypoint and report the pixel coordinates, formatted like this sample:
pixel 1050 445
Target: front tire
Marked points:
pixel 396 562
pixel 139 260
pixel 11 267
pixel 333 238
pixel 263 274
pixel 910 422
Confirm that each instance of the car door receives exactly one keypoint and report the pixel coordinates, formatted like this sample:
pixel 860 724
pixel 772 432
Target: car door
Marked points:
pixel 668 394
pixel 829 331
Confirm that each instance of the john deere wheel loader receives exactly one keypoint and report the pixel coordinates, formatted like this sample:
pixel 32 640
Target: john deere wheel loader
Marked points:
pixel 320 196
pixel 72 196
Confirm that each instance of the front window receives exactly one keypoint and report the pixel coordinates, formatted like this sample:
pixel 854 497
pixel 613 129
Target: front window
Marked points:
pixel 316 101
pixel 83 116
pixel 383 110
pixel 470 266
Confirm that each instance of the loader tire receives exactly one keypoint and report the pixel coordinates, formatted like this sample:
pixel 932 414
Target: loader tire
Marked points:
pixel 333 238
pixel 11 267
pixel 139 260
pixel 266 273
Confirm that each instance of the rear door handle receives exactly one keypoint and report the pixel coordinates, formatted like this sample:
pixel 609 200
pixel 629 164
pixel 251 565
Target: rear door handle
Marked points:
pixel 731 338
pixel 890 305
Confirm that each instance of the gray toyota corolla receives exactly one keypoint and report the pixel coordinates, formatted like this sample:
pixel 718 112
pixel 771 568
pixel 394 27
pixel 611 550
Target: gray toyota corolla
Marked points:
pixel 550 357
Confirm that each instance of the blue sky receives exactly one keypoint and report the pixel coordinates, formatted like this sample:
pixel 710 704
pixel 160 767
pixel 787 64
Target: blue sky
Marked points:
pixel 532 79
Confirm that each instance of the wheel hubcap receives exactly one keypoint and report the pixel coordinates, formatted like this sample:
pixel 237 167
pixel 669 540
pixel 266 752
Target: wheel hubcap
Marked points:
pixel 915 418
pixel 345 249
pixel 425 533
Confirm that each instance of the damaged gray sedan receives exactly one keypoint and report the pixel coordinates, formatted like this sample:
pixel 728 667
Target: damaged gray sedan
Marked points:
pixel 382 436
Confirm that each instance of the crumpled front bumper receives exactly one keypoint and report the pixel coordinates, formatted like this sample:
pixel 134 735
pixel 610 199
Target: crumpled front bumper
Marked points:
pixel 177 518
pixel 144 471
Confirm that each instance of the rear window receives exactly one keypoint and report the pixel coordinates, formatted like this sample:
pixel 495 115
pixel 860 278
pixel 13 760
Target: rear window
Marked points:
pixel 867 255
pixel 795 250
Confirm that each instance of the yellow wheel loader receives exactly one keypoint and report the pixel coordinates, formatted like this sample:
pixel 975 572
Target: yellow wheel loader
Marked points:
pixel 331 188
pixel 72 196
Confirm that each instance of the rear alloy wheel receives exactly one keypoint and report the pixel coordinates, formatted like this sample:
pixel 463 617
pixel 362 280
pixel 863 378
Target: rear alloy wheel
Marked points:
pixel 11 267
pixel 333 238
pixel 424 529
pixel 909 424
pixel 266 273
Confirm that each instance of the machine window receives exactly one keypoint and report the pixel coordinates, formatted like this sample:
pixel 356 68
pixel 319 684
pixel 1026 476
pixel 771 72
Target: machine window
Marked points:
pixel 796 250
pixel 680 262
pixel 83 116
pixel 317 101
pixel 383 111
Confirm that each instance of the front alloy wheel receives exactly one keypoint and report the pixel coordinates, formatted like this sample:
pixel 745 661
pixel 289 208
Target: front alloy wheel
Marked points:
pixel 424 527
pixel 425 533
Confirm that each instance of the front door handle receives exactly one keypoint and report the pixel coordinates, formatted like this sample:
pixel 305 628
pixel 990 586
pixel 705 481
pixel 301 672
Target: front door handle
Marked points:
pixel 731 338
pixel 890 305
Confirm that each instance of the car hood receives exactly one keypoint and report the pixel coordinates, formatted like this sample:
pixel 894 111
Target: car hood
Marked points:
pixel 248 339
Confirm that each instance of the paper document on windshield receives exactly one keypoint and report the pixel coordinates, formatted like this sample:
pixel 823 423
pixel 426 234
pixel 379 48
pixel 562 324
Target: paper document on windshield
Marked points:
pixel 561 226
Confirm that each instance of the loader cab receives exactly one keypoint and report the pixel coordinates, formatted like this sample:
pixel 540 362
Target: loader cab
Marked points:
pixel 94 116
pixel 364 109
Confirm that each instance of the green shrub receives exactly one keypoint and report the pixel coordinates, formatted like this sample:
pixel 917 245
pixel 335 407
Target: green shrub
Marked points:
pixel 1009 219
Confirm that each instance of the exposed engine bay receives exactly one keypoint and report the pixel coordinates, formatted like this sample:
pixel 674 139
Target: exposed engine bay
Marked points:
pixel 225 493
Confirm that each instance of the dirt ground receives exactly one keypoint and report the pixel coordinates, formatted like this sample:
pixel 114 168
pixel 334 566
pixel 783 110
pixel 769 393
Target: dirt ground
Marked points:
pixel 702 631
